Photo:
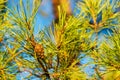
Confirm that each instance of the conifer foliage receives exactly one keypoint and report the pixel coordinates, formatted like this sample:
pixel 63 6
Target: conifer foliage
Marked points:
pixel 55 53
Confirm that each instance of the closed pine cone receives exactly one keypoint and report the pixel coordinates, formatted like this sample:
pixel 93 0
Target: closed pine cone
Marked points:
pixel 39 50
pixel 1 39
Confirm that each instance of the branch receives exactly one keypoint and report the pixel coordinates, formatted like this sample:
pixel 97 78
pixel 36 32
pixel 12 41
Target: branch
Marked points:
pixel 44 69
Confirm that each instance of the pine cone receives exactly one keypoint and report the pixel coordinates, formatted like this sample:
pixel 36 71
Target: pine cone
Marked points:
pixel 1 39
pixel 39 50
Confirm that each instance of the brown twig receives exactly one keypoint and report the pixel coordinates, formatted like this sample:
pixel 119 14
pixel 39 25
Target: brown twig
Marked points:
pixel 44 69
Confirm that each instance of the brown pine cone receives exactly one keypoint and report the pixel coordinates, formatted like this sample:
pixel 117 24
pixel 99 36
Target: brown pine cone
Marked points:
pixel 1 39
pixel 39 50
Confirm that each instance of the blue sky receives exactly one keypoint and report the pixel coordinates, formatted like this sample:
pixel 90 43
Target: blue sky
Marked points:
pixel 41 21
pixel 46 19
pixel 45 14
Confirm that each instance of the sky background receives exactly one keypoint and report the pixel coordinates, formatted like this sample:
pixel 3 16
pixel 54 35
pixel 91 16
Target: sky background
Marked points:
pixel 45 14
pixel 45 19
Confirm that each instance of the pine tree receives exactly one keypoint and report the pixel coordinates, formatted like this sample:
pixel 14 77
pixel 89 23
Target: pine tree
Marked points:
pixel 109 58
pixel 55 53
